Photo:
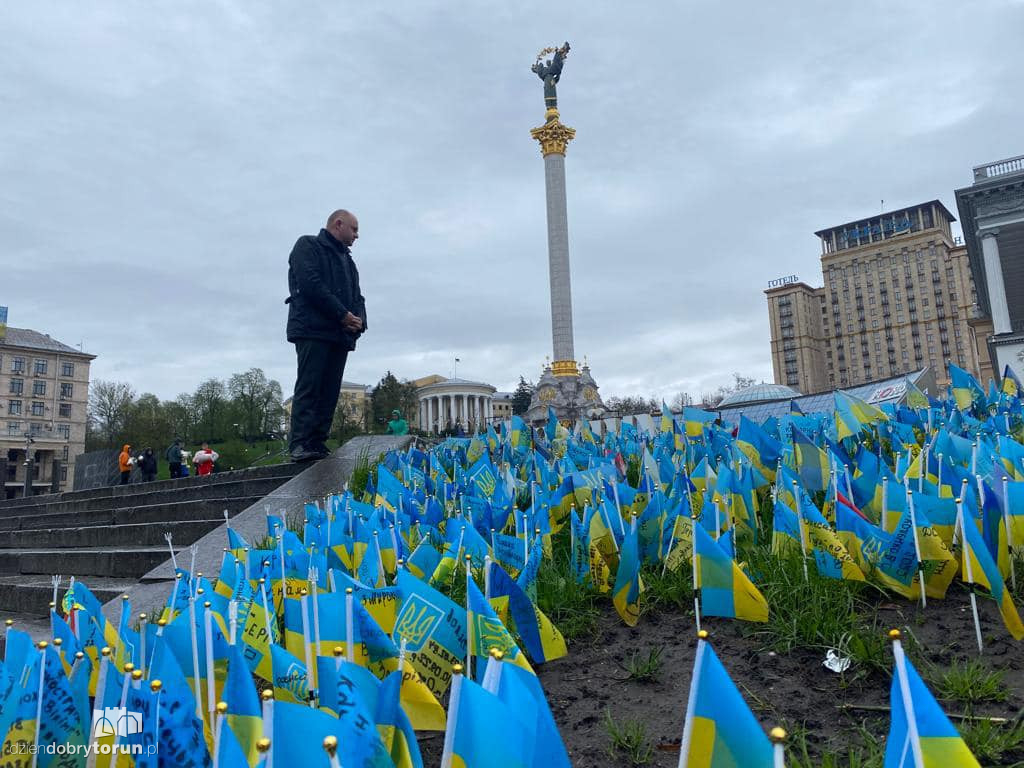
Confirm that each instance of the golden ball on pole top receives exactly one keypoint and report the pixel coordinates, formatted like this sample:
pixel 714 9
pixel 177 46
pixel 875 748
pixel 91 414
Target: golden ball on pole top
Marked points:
pixel 330 745
pixel 457 669
pixel 894 634
pixel 222 707
pixel 703 634
pixel 155 686
pixel 263 746
pixel 105 651
pixel 136 674
pixel 338 651
pixel 777 735
pixel 267 695
pixel 41 645
pixel 57 642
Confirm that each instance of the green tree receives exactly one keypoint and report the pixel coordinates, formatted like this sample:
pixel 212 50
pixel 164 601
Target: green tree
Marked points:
pixel 257 402
pixel 391 394
pixel 147 424
pixel 211 411
pixel 522 396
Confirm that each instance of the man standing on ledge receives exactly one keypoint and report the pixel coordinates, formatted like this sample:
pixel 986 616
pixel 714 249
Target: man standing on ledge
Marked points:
pixel 326 315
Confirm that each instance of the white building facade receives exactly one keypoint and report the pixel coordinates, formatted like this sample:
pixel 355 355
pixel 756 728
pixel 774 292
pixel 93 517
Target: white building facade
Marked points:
pixel 452 404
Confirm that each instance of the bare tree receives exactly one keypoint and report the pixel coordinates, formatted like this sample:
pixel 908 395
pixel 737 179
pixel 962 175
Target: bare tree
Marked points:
pixel 110 404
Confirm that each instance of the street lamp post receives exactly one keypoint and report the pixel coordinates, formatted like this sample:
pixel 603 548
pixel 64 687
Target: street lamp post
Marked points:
pixel 29 465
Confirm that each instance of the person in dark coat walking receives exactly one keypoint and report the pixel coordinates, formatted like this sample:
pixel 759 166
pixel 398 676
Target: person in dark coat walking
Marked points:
pixel 326 314
pixel 147 465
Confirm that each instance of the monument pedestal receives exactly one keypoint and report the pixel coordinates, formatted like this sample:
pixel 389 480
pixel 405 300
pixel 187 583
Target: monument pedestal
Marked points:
pixel 570 391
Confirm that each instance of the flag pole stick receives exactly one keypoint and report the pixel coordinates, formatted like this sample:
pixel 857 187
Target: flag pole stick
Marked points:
pixel 469 619
pixel 696 577
pixel 885 504
pixel 618 508
pixel 671 545
pixel 195 656
pixel 453 716
pixel 264 744
pixel 39 700
pixel 211 691
pixel 778 739
pixel 1009 532
pixel 691 701
pixel 142 643
pixel 917 548
pixel 350 651
pixel 266 610
pixel 969 571
pixel 306 647
pixel 313 590
pixel 170 546
pixel 800 525
pixel 218 732
pixel 908 701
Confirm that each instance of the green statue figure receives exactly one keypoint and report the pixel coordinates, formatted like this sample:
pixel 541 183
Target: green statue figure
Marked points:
pixel 550 71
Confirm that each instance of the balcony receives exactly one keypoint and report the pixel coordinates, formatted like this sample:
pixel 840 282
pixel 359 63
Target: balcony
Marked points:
pixel 1008 167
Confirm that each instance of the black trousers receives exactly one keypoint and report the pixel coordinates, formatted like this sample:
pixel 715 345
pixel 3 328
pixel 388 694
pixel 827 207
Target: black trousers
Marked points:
pixel 125 476
pixel 321 365
pixel 176 469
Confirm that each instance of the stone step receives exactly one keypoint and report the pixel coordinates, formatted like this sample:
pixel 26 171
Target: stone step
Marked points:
pixel 29 596
pixel 121 494
pixel 259 486
pixel 183 533
pixel 205 509
pixel 114 562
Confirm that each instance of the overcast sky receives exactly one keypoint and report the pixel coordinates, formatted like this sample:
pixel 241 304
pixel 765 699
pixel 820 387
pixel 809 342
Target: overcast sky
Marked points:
pixel 159 159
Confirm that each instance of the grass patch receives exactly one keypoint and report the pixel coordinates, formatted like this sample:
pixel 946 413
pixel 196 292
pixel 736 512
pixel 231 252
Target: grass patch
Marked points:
pixel 572 607
pixel 364 470
pixel 628 739
pixel 990 742
pixel 644 668
pixel 867 752
pixel 971 682
pixel 817 612
pixel 671 591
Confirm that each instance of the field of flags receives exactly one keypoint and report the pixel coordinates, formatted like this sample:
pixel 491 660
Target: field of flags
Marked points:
pixel 410 604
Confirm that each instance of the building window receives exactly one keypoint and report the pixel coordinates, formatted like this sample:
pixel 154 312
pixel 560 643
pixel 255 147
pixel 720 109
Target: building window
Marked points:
pixel 17 365
pixel 65 410
pixel 35 428
pixel 67 390
pixel 37 407
pixel 64 453
pixel 14 407
pixel 13 428
pixel 64 474
pixel 39 368
pixel 17 386
pixel 39 388
pixel 64 430
pixel 67 369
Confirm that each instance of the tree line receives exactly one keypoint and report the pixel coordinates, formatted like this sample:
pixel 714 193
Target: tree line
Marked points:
pixel 246 406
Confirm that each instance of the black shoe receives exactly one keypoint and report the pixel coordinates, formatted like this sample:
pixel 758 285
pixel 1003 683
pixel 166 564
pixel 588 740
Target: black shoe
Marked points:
pixel 300 455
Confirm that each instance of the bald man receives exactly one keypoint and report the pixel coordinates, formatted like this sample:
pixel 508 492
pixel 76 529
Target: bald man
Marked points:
pixel 326 314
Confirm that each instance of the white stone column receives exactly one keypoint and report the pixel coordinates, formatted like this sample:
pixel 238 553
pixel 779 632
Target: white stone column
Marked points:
pixel 465 412
pixel 994 281
pixel 558 257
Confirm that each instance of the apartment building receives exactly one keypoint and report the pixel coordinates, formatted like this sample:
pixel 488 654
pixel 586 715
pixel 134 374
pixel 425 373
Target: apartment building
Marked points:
pixel 897 296
pixel 44 396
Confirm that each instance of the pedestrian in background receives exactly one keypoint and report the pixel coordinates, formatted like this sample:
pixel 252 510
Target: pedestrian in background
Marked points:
pixel 174 457
pixel 147 465
pixel 204 460
pixel 125 462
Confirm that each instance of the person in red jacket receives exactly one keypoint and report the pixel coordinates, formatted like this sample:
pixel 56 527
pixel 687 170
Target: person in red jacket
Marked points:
pixel 204 460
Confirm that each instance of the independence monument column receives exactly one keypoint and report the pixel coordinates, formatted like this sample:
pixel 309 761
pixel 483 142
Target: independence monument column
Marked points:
pixel 572 393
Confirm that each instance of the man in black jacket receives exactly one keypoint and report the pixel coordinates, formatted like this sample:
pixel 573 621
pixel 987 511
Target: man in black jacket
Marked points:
pixel 326 315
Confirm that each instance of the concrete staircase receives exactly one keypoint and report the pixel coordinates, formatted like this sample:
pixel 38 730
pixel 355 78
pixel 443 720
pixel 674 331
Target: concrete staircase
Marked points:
pixel 111 537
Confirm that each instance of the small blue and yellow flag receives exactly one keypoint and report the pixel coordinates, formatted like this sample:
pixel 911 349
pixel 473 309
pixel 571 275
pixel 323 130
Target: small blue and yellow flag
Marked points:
pixel 628 584
pixel 482 730
pixel 980 568
pixel 920 734
pixel 720 729
pixel 725 589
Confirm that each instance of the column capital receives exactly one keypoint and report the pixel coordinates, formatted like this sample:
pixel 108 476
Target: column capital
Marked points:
pixel 988 232
pixel 553 136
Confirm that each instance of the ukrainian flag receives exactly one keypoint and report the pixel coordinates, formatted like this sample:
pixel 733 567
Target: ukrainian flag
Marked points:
pixel 853 414
pixel 811 462
pixel 483 730
pixel 720 730
pixel 244 713
pixel 966 389
pixel 984 571
pixel 1010 384
pixel 916 399
pixel 762 449
pixel 932 742
pixel 724 589
pixel 628 585
pixel 487 632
